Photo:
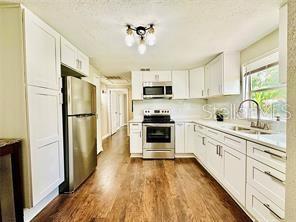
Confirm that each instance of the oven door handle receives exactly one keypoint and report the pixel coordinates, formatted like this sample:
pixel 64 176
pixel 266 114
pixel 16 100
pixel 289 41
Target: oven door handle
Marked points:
pixel 160 125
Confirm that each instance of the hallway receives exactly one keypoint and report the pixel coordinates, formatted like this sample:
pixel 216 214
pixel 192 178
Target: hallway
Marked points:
pixel 124 189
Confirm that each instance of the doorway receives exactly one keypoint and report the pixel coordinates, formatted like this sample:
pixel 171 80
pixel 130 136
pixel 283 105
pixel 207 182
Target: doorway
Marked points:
pixel 118 109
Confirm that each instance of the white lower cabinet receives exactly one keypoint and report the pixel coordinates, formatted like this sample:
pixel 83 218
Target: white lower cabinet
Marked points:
pixel 214 159
pixel 262 208
pixel 136 142
pixel 267 180
pixel 234 173
pixel 189 137
pixel 179 138
pixel 200 150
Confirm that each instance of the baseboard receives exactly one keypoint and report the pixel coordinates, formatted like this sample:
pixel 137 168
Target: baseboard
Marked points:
pixel 136 155
pixel 184 155
pixel 30 213
pixel 106 136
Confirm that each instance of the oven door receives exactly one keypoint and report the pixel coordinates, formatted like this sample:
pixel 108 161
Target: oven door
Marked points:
pixel 158 136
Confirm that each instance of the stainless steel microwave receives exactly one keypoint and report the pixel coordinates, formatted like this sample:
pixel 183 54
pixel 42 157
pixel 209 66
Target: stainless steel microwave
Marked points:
pixel 157 90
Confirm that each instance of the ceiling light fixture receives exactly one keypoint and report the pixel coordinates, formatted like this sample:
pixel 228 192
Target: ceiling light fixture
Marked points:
pixel 146 34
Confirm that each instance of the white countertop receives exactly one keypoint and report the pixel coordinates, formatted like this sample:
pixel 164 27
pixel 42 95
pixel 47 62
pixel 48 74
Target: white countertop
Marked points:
pixel 274 140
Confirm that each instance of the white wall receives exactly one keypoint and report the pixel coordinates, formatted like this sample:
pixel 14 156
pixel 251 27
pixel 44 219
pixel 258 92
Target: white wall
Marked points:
pixel 179 108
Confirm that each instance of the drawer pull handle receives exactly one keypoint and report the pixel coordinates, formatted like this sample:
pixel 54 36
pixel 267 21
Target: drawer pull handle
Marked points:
pixel 276 155
pixel 274 213
pixel 203 140
pixel 135 124
pixel 274 177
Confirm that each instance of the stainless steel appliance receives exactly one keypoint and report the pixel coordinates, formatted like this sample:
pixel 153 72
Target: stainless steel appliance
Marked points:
pixel 157 90
pixel 158 135
pixel 79 109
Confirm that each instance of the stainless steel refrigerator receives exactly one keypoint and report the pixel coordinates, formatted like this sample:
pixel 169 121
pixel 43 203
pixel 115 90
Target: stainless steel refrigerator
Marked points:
pixel 79 110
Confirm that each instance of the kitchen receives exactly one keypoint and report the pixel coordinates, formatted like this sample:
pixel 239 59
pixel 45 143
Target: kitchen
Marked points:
pixel 202 131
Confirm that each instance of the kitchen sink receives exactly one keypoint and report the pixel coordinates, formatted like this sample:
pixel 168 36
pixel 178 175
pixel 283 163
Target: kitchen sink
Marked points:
pixel 248 130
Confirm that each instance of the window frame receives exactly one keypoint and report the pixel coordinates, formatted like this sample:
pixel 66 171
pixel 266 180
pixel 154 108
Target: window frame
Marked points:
pixel 267 62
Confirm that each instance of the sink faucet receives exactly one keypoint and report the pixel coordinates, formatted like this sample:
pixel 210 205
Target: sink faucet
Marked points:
pixel 258 123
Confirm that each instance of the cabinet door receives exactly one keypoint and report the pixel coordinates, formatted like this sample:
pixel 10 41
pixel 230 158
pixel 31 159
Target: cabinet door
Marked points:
pixel 180 84
pixel 164 76
pixel 83 63
pixel 283 45
pixel 68 54
pixel 46 141
pixel 234 173
pixel 137 87
pixel 207 80
pixel 157 76
pixel 197 83
pixel 189 138
pixel 216 73
pixel 214 160
pixel 180 138
pixel 136 141
pixel 42 48
pixel 200 147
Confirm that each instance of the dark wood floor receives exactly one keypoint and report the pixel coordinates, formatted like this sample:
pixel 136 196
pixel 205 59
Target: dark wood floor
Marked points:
pixel 124 189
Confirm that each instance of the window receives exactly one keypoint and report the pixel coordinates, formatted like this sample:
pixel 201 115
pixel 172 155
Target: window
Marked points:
pixel 262 83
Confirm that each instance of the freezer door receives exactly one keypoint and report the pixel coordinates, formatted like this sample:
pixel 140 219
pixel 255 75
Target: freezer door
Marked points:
pixel 82 149
pixel 81 96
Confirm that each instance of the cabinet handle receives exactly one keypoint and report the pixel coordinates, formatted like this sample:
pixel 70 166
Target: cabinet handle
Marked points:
pixel 208 92
pixel 140 134
pixel 217 148
pixel 77 63
pixel 274 213
pixel 203 140
pixel 194 128
pixel 202 92
pixel 220 150
pixel 276 155
pixel 274 177
pixel 135 124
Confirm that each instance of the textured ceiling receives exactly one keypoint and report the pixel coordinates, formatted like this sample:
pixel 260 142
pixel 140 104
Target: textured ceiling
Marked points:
pixel 189 32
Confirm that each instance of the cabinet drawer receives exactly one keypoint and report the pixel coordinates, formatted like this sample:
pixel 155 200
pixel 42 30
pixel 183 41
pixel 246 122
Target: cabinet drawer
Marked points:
pixel 267 180
pixel 214 134
pixel 262 208
pixel 235 143
pixel 269 156
pixel 136 126
pixel 201 129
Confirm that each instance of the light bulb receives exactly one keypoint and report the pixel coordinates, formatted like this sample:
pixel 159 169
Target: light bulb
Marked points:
pixel 151 39
pixel 129 38
pixel 142 47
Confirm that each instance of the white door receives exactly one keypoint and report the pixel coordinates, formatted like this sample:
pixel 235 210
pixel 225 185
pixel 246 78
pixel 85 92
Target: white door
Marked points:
pixel 214 161
pixel 180 138
pixel 180 84
pixel 197 83
pixel 234 173
pixel 189 138
pixel 46 141
pixel 137 87
pixel 114 110
pixel 68 54
pixel 83 63
pixel 42 45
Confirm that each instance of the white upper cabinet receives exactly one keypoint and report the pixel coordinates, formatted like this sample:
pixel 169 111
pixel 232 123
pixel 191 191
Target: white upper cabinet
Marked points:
pixel 157 76
pixel 197 83
pixel 222 75
pixel 42 45
pixel 137 86
pixel 180 84
pixel 283 39
pixel 73 58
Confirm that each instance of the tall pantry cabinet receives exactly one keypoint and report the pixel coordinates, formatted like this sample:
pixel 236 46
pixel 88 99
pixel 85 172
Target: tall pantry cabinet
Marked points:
pixel 31 100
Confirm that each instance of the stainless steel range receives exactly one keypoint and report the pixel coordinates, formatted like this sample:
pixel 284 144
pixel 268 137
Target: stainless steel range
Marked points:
pixel 158 135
